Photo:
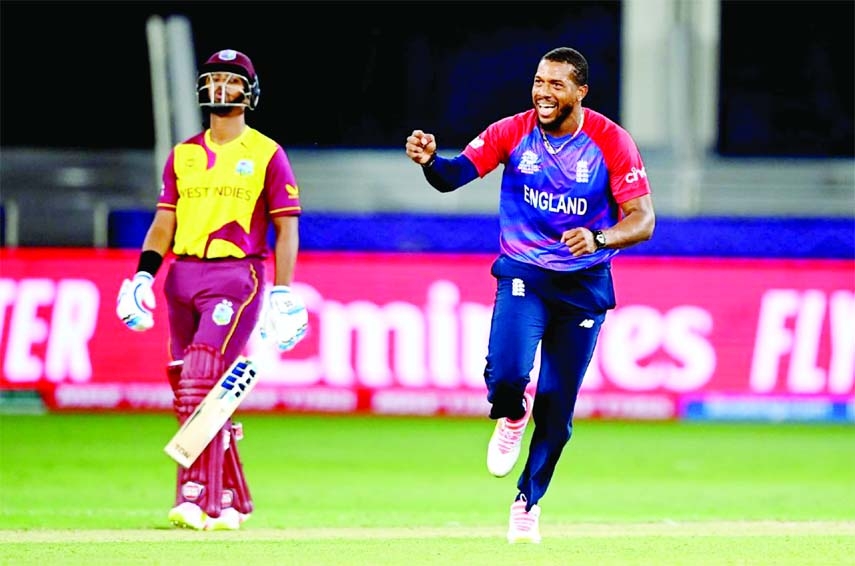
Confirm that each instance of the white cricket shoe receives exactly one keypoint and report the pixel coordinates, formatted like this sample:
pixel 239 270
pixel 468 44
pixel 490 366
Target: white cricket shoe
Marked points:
pixel 524 526
pixel 503 451
pixel 229 520
pixel 188 515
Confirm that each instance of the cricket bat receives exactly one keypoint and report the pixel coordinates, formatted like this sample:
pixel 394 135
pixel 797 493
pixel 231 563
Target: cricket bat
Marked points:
pixel 212 413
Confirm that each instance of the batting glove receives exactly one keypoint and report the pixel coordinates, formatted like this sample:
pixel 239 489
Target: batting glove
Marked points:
pixel 135 301
pixel 287 319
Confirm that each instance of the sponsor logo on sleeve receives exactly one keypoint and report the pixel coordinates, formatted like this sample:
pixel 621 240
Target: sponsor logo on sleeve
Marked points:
pixel 635 174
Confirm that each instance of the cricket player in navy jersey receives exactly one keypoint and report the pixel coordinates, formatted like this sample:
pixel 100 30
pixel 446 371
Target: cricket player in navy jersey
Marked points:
pixel 222 189
pixel 574 191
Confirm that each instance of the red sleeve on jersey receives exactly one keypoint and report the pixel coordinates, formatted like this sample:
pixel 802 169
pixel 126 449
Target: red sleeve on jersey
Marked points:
pixel 494 145
pixel 627 175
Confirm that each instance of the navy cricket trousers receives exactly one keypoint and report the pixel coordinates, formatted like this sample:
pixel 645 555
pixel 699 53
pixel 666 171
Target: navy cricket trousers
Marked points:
pixel 562 312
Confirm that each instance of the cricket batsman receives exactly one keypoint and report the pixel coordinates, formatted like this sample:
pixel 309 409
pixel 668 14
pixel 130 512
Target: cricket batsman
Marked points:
pixel 223 189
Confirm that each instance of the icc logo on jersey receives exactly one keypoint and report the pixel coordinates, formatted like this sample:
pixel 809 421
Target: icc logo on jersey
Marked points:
pixel 244 167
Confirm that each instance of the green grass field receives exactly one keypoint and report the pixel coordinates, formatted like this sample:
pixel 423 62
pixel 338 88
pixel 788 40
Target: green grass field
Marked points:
pixel 95 489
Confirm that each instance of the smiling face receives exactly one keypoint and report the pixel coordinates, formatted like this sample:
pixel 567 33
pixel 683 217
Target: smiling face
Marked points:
pixel 555 94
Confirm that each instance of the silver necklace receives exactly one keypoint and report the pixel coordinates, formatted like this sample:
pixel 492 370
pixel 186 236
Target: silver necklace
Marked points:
pixel 552 150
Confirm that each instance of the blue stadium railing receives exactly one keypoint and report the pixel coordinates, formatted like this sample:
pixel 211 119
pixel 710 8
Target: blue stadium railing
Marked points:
pixel 831 238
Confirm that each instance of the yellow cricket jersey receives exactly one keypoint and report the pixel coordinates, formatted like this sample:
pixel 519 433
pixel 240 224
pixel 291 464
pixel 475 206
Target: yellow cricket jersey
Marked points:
pixel 224 195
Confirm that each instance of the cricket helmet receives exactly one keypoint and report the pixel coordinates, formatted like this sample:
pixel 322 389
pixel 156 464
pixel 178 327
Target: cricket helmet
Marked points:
pixel 236 63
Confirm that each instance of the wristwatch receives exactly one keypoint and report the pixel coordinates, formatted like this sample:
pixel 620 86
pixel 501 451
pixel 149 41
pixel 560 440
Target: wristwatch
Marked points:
pixel 599 239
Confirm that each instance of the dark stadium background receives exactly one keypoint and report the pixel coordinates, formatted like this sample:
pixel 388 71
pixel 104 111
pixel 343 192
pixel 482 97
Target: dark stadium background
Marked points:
pixel 362 74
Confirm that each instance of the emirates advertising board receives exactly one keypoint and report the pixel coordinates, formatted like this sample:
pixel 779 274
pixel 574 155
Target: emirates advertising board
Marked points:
pixel 406 333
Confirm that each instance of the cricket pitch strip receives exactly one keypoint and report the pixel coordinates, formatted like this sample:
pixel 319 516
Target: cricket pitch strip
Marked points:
pixel 570 530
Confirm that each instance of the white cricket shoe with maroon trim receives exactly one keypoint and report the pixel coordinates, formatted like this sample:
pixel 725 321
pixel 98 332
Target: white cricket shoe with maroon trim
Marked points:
pixel 188 515
pixel 229 520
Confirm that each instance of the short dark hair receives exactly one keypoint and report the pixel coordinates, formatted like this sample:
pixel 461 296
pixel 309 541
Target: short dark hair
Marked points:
pixel 573 57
